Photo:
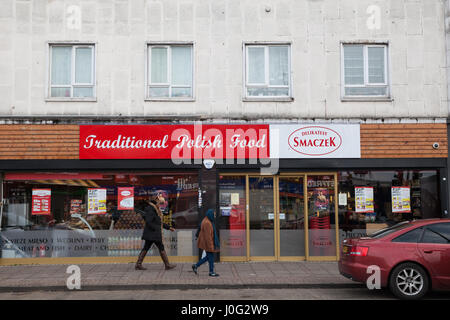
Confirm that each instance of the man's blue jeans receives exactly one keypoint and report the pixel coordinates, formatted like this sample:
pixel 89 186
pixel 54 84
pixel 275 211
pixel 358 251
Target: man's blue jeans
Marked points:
pixel 210 258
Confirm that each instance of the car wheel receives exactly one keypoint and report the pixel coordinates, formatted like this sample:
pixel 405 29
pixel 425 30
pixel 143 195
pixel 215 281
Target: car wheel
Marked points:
pixel 409 281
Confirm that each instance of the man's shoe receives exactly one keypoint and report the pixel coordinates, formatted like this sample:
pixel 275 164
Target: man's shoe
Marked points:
pixel 213 274
pixel 194 268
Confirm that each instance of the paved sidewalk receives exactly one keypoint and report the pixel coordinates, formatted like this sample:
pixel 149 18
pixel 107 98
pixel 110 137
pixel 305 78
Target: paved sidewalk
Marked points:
pixel 124 277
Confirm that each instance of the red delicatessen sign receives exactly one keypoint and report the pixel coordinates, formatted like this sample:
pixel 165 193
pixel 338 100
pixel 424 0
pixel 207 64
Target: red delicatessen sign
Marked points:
pixel 174 141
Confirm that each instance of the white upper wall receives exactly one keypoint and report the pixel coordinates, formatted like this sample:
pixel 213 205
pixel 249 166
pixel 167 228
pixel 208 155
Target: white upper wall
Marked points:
pixel 414 29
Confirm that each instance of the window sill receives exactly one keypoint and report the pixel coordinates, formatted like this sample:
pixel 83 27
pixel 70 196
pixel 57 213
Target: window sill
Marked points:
pixel 268 99
pixel 169 99
pixel 71 99
pixel 367 99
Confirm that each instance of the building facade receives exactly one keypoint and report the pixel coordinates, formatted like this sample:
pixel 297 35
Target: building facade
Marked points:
pixel 300 122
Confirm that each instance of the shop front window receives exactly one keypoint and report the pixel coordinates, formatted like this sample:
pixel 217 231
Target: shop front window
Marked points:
pixel 373 200
pixel 94 214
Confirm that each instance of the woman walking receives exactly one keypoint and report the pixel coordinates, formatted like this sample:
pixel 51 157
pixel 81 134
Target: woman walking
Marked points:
pixel 208 241
pixel 153 231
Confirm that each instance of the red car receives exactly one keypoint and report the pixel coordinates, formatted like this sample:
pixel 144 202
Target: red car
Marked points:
pixel 413 257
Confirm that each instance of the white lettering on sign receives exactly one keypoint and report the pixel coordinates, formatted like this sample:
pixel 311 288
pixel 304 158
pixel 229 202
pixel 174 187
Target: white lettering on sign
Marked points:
pixel 199 142
pixel 125 143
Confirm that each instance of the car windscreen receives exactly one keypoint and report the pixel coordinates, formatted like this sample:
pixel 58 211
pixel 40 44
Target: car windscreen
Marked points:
pixel 387 231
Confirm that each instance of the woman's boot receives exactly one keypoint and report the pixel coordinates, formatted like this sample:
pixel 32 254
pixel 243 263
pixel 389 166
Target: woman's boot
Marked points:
pixel 140 260
pixel 164 258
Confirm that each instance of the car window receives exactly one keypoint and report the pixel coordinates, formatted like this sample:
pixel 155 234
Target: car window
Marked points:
pixel 433 235
pixel 412 236
pixel 441 228
pixel 387 231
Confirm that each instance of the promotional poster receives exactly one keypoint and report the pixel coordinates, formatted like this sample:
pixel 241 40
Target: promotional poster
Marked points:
pixel 96 201
pixel 41 199
pixel 321 199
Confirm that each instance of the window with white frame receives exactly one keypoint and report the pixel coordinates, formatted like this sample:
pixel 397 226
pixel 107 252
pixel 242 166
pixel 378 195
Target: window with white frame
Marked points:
pixel 267 71
pixel 365 70
pixel 170 71
pixel 72 71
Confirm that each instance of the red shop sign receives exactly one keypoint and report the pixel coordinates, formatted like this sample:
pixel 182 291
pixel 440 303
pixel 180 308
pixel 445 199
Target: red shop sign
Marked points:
pixel 174 142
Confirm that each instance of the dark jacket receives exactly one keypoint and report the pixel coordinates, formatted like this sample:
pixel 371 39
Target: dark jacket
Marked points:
pixel 152 229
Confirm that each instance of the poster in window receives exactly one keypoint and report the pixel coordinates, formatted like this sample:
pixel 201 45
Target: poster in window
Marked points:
pixel 364 199
pixel 234 199
pixel 342 199
pixel 164 207
pixel 321 199
pixel 96 201
pixel 41 199
pixel 401 199
pixel 75 206
pixel 125 198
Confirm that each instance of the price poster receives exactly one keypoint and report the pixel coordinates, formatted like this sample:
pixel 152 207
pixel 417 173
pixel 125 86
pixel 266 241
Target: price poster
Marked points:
pixel 401 199
pixel 41 199
pixel 125 198
pixel 96 201
pixel 75 206
pixel 364 199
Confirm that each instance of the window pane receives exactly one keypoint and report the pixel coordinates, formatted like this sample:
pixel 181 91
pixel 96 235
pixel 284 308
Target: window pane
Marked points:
pixel 262 222
pixel 376 64
pixel 60 92
pixel 410 237
pixel 353 64
pixel 159 92
pixel 431 237
pixel 181 65
pixel 159 65
pixel 181 92
pixel 83 92
pixel 61 65
pixel 425 201
pixel 441 228
pixel 83 65
pixel 232 215
pixel 278 66
pixel 28 223
pixel 256 71
pixel 366 91
pixel 268 92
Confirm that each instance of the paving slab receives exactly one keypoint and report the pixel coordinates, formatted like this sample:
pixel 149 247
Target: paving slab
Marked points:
pixel 124 276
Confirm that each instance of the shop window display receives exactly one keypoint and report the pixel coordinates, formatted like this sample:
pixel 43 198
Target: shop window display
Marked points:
pixel 93 214
pixel 372 200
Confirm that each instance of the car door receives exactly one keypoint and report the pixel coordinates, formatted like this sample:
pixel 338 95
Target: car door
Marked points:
pixel 434 248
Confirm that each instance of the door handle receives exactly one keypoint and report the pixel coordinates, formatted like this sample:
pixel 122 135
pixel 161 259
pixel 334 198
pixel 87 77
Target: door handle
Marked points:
pixel 428 251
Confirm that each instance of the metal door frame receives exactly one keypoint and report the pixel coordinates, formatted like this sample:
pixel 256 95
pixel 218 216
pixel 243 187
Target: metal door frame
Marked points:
pixel 276 205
